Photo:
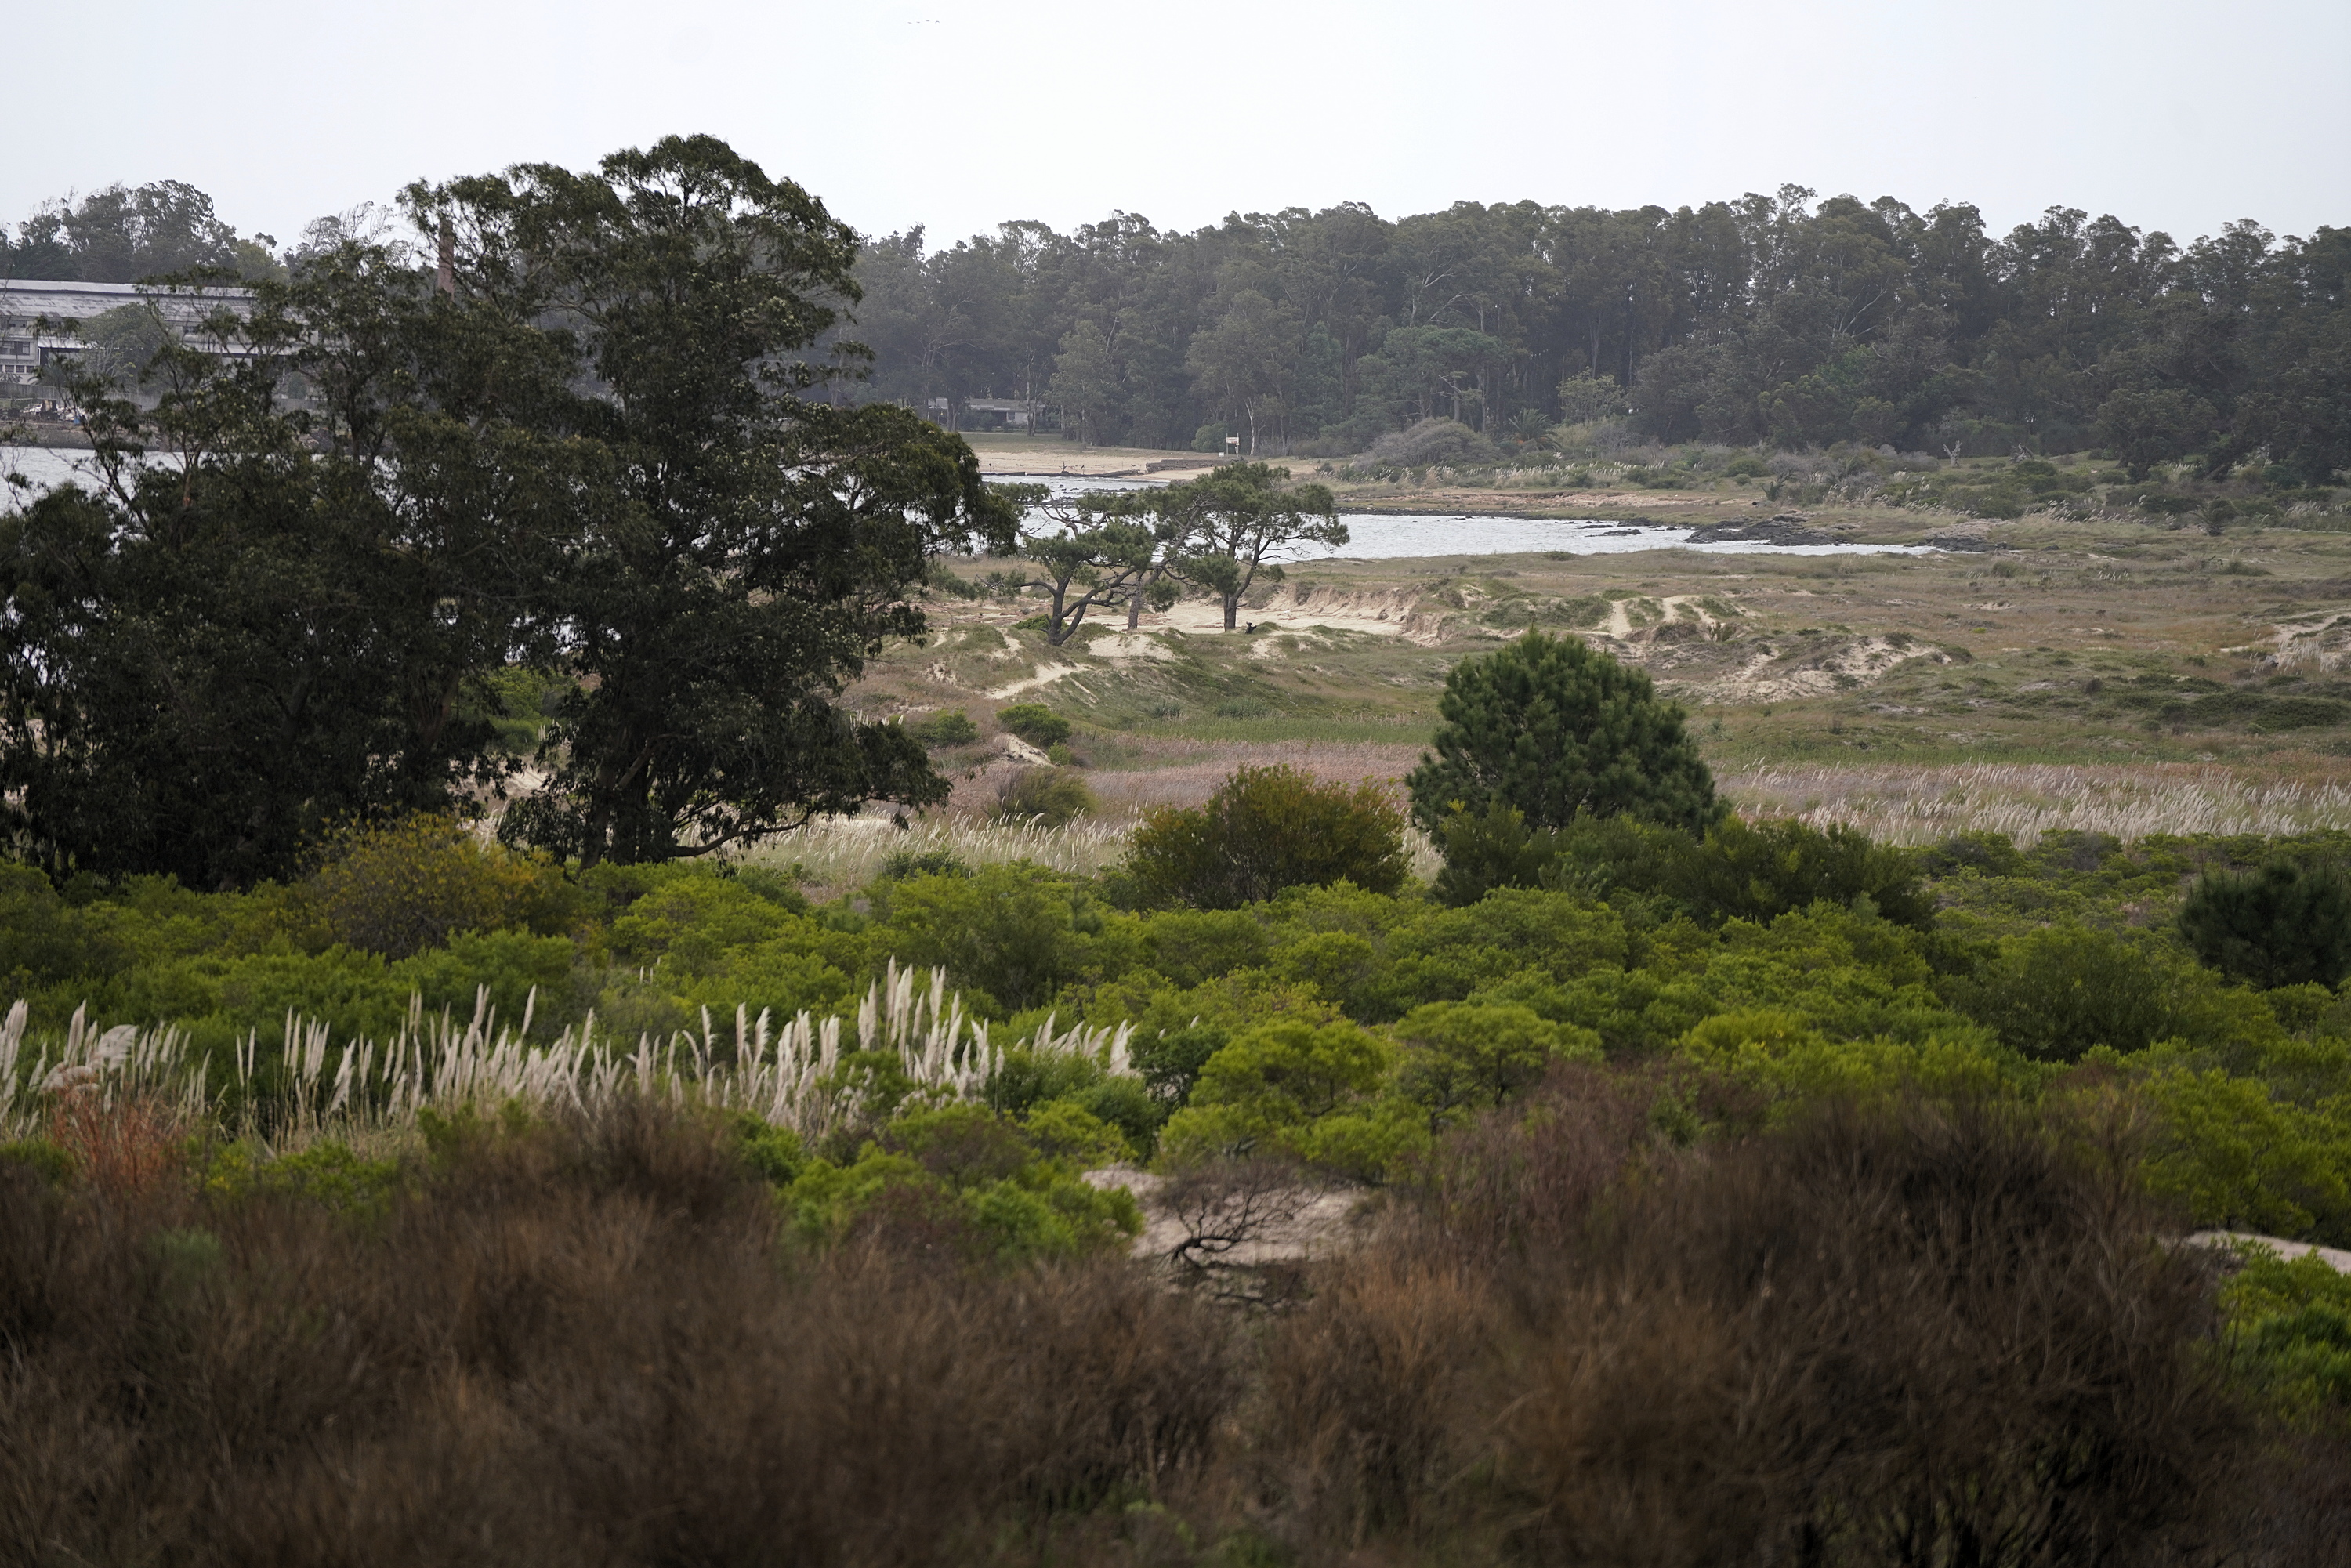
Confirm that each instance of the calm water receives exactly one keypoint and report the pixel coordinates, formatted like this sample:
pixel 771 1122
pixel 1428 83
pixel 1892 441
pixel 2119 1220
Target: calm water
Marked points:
pixel 1379 536
pixel 1371 537
pixel 40 465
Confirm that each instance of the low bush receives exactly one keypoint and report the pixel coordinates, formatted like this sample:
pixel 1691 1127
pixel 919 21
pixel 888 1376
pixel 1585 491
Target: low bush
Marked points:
pixel 2054 993
pixel 1008 936
pixel 400 887
pixel 1739 870
pixel 950 727
pixel 1759 870
pixel 1461 1058
pixel 976 1183
pixel 2292 1321
pixel 1302 1093
pixel 1266 828
pixel 1047 797
pixel 1431 441
pixel 1490 850
pixel 1034 723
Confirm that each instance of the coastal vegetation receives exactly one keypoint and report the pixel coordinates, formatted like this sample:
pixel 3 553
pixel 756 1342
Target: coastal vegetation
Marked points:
pixel 608 960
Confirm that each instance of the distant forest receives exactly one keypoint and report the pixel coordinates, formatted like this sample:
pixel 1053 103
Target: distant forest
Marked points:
pixel 1778 319
pixel 1784 320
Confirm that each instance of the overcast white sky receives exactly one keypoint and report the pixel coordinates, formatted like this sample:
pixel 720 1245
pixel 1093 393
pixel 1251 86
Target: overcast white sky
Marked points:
pixel 957 114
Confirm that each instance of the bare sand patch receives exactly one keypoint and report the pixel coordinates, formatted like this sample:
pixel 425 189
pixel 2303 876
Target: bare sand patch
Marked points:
pixel 1044 675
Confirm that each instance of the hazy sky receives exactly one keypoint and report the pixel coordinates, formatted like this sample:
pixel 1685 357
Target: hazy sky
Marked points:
pixel 957 114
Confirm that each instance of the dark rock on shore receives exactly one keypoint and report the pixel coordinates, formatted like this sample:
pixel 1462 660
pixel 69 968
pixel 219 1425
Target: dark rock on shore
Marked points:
pixel 1788 529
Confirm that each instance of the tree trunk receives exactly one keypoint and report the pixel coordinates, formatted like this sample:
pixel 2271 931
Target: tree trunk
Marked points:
pixel 1232 610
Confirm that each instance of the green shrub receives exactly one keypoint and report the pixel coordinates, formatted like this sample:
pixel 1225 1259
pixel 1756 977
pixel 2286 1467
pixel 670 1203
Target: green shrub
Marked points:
pixel 1490 850
pixel 989 1186
pixel 951 727
pixel 1034 723
pixel 1764 870
pixel 2233 1154
pixel 2290 1326
pixel 2053 994
pixel 1189 945
pixel 1991 854
pixel 1266 828
pixel 328 1174
pixel 1306 1093
pixel 1049 797
pixel 42 938
pixel 1009 935
pixel 1462 1057
pixel 901 865
pixel 1601 856
pixel 400 887
pixel 1554 729
pixel 46 1161
pixel 2281 926
pixel 1030 1084
pixel 777 1154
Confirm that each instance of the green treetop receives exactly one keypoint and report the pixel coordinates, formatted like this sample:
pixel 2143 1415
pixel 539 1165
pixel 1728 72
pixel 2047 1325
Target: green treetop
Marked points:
pixel 1226 525
pixel 1552 729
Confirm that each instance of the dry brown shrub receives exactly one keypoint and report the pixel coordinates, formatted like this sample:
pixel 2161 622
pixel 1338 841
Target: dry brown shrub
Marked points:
pixel 1921 1336
pixel 1936 1335
pixel 581 1346
pixel 1372 1398
pixel 125 1149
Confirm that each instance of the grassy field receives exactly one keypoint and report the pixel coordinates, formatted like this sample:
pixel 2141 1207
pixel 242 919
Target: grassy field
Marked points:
pixel 2110 672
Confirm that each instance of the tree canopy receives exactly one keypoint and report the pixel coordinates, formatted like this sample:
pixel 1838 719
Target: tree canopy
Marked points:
pixel 1552 729
pixel 297 591
pixel 1224 528
pixel 127 234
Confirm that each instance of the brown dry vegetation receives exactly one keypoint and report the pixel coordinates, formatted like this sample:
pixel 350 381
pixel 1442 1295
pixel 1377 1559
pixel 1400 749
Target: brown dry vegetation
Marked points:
pixel 1918 1335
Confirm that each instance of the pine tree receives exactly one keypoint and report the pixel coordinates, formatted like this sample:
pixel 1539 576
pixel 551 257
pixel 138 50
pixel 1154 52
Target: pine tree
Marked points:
pixel 1552 728
pixel 2281 926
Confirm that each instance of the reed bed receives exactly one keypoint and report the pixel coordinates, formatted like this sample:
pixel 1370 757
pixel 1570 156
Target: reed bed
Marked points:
pixel 850 852
pixel 1923 805
pixel 790 1075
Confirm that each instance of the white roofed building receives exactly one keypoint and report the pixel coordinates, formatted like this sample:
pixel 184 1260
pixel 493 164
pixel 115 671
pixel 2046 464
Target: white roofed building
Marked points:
pixel 34 314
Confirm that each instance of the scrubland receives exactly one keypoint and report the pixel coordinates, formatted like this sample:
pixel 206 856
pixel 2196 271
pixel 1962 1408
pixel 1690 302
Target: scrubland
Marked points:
pixel 911 1189
pixel 2113 672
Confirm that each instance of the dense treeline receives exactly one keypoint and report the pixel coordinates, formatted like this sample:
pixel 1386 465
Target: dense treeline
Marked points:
pixel 1781 320
pixel 127 234
pixel 1768 318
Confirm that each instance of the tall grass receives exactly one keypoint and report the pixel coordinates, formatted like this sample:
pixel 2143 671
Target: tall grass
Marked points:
pixel 792 1075
pixel 850 852
pixel 1914 805
pixel 842 852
